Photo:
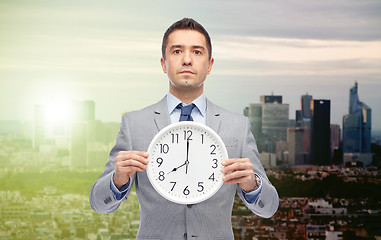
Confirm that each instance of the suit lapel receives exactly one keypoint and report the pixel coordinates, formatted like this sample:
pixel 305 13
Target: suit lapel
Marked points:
pixel 213 119
pixel 161 115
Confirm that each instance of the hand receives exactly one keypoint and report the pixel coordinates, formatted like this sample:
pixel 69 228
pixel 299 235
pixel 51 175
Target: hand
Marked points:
pixel 126 164
pixel 239 170
pixel 186 164
pixel 175 169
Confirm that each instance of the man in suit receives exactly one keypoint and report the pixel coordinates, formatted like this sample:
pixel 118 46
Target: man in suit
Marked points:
pixel 187 60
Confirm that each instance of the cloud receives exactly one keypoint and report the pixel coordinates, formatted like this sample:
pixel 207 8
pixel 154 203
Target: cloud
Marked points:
pixel 257 56
pixel 337 19
pixel 286 46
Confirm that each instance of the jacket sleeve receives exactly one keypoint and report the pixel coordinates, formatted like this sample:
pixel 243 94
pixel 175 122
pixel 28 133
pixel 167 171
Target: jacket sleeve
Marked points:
pixel 102 199
pixel 267 201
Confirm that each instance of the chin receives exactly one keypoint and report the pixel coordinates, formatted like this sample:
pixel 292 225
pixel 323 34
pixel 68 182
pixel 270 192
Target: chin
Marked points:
pixel 186 84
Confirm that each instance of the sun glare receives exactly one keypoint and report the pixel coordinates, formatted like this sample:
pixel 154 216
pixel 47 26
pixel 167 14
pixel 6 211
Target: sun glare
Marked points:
pixel 57 112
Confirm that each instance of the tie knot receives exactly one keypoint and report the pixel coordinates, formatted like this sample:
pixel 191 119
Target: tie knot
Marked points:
pixel 186 112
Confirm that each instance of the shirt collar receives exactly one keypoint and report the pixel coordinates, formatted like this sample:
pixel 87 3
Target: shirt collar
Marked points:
pixel 200 103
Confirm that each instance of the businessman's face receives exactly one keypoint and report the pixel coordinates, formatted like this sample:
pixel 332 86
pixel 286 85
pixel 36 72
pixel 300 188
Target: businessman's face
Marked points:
pixel 187 61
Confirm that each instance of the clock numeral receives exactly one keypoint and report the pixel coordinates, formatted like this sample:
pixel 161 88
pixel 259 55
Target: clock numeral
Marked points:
pixel 201 187
pixel 159 161
pixel 175 137
pixel 202 138
pixel 161 176
pixel 174 184
pixel 214 149
pixel 188 134
pixel 164 148
pixel 212 177
pixel 186 191
pixel 215 163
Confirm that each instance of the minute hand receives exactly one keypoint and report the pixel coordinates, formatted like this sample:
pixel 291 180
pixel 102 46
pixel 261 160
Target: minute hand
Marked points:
pixel 187 161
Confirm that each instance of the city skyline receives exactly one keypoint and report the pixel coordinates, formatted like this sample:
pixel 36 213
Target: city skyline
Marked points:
pixel 62 51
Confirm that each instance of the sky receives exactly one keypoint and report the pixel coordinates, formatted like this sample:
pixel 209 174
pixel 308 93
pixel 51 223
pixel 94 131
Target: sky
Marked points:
pixel 109 51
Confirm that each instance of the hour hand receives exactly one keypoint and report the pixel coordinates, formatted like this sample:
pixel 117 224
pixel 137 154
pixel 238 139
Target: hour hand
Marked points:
pixel 175 169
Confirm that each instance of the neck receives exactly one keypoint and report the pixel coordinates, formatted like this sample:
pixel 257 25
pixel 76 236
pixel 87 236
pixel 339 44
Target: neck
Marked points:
pixel 186 96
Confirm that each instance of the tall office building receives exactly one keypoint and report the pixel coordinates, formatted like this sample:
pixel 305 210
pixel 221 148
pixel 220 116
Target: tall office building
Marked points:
pixel 269 121
pixel 335 137
pixel 299 138
pixel 83 114
pixel 357 125
pixel 297 152
pixel 270 99
pixel 79 145
pixel 303 116
pixel 336 146
pixel 305 106
pixel 298 118
pixel 39 126
pixel 254 113
pixel 320 132
pixel 357 130
pixel 83 111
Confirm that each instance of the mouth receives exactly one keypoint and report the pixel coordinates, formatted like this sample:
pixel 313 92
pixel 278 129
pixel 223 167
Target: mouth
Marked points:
pixel 186 72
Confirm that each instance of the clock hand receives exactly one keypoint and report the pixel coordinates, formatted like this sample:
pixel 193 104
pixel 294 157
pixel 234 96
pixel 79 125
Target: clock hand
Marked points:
pixel 187 149
pixel 187 161
pixel 175 169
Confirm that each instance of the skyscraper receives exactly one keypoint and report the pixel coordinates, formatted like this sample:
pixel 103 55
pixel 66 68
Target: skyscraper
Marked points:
pixel 83 114
pixel 254 114
pixel 357 125
pixel 299 138
pixel 39 126
pixel 305 106
pixel 270 99
pixel 269 121
pixel 296 139
pixel 357 130
pixel 306 112
pixel 320 132
pixel 83 111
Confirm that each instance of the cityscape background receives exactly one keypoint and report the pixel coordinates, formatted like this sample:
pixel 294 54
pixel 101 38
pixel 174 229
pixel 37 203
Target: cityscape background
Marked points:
pixel 305 73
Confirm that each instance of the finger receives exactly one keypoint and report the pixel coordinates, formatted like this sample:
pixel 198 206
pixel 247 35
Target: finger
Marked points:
pixel 128 154
pixel 131 169
pixel 131 156
pixel 230 161
pixel 237 177
pixel 131 164
pixel 238 166
pixel 237 180
pixel 141 153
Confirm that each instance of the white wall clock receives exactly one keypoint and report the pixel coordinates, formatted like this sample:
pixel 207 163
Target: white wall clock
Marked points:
pixel 185 162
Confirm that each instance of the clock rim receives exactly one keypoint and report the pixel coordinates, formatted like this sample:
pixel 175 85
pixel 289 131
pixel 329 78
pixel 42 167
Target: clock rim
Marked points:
pixel 152 144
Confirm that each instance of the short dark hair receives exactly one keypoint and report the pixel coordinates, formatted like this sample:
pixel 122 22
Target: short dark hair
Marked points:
pixel 186 24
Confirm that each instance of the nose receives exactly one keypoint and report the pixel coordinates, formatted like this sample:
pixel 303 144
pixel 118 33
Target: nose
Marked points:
pixel 187 60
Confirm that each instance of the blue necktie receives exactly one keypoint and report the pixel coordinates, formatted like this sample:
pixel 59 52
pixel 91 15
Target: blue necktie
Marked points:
pixel 186 112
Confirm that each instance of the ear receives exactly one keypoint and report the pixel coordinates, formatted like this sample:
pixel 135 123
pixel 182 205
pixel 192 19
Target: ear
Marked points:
pixel 162 61
pixel 211 61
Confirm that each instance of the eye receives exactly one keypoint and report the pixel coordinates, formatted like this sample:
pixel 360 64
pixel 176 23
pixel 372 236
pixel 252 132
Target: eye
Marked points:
pixel 197 52
pixel 177 51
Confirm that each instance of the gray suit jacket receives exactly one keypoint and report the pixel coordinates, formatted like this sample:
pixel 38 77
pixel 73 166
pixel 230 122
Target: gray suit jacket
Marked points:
pixel 162 219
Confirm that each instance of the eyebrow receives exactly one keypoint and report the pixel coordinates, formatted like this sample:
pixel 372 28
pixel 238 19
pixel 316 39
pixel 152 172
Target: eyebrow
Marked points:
pixel 181 46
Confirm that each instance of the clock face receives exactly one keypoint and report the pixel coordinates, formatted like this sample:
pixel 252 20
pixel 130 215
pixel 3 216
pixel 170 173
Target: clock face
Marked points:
pixel 185 162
